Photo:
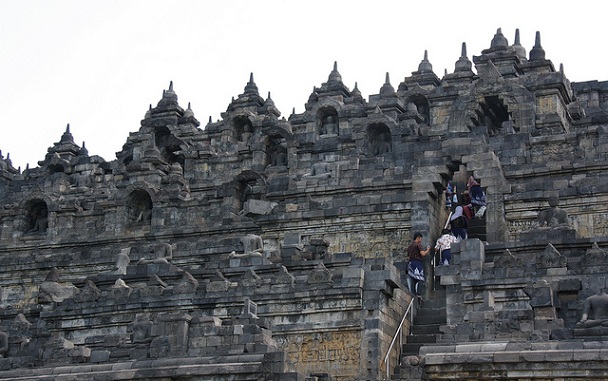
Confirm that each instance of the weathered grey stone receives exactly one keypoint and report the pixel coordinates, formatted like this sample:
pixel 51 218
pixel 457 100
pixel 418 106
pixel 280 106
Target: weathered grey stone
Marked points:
pixel 336 192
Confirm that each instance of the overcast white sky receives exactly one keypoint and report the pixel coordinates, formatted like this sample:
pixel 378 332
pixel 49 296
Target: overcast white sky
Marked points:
pixel 98 65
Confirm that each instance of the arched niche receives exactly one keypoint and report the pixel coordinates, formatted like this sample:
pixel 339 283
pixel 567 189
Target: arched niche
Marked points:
pixel 277 150
pixel 327 121
pixel 242 128
pixel 55 168
pixel 492 113
pixel 169 146
pixel 249 185
pixel 379 139
pixel 139 208
pixel 36 212
pixel 422 105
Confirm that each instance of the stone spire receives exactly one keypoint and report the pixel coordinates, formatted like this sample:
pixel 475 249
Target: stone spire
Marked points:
pixel 270 108
pixel 520 50
pixel 537 53
pixel 251 88
pixel 425 66
pixel 188 111
pixel 335 76
pixel 249 100
pixel 332 88
pixel 463 63
pixel 387 88
pixel 499 42
pixel 83 151
pixel 67 136
pixel 65 149
pixel 356 92
pixel 168 102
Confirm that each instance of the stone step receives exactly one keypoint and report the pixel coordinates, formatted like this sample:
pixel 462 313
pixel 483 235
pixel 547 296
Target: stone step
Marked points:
pixel 431 311
pixel 429 319
pixel 410 349
pixel 426 329
pixel 422 338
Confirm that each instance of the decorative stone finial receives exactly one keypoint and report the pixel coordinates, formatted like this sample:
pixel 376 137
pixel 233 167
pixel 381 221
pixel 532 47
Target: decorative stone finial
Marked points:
pixel 83 151
pixel 387 88
pixel 335 76
pixel 67 136
pixel 251 87
pixel 463 63
pixel 520 50
pixel 499 42
pixel 537 53
pixel 356 92
pixel 425 66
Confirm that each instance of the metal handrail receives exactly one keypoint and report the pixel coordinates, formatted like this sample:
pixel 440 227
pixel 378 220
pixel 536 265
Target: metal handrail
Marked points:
pixel 398 332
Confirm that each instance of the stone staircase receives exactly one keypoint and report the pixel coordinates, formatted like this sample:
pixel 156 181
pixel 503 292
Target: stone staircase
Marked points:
pixel 477 228
pixel 430 315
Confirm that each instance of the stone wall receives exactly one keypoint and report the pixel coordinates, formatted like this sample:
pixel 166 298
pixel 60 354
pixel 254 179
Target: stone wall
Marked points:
pixel 277 244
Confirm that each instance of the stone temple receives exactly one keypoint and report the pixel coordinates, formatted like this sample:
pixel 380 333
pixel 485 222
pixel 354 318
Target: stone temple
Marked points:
pixel 260 247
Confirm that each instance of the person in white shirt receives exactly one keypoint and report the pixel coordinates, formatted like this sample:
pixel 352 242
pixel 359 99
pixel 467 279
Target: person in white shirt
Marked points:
pixel 444 246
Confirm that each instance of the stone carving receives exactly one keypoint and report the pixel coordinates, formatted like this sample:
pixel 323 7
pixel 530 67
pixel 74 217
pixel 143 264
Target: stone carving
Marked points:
pixel 120 290
pixel 140 328
pixel 250 279
pixel 163 253
pixel 320 275
pixel 253 246
pixel 53 291
pixel 315 249
pixel 320 170
pixel 380 143
pixel 140 210
pixel 246 135
pixel 187 284
pixel 81 181
pixel 20 332
pixel 330 127
pixel 218 283
pixel 122 261
pixel 154 287
pixel 594 320
pixel 553 216
pixel 552 226
pixel 283 277
pixel 594 256
pixel 88 293
pixel 160 347
pixel 39 219
pixel 278 154
pixel 508 260
pixel 550 258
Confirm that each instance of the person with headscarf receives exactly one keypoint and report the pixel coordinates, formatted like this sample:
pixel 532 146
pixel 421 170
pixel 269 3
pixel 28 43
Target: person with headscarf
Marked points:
pixel 478 197
pixel 459 223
